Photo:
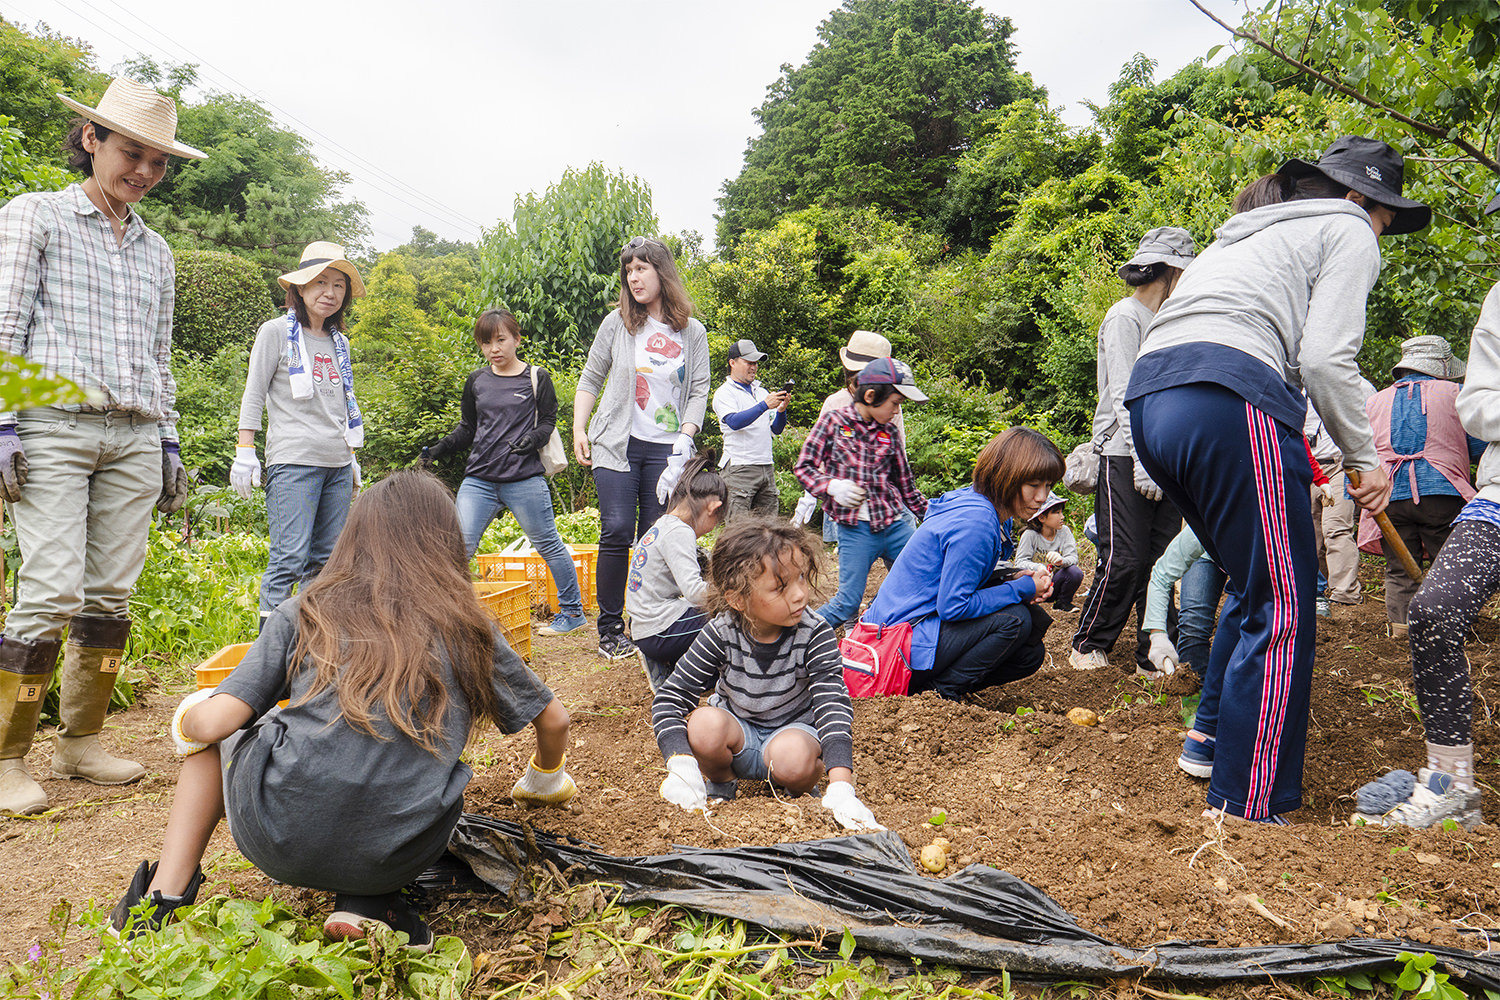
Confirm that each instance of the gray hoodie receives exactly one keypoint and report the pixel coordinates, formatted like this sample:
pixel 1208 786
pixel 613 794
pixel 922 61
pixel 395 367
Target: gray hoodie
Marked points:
pixel 1286 285
pixel 1478 401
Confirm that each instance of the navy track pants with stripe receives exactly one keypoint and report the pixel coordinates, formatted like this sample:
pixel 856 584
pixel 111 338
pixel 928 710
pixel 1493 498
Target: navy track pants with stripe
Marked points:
pixel 1241 480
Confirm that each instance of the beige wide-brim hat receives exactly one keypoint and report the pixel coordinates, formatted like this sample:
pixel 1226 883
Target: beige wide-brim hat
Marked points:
pixel 316 259
pixel 135 110
pixel 1432 355
pixel 863 347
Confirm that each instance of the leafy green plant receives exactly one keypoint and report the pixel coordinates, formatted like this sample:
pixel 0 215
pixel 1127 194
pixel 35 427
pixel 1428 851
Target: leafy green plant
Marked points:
pixel 1418 978
pixel 221 301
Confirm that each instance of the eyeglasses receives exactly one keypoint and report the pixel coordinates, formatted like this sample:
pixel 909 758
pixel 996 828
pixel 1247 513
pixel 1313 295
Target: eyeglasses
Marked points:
pixel 637 242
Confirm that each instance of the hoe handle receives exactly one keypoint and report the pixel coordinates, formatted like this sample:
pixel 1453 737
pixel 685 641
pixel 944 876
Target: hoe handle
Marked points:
pixel 1393 541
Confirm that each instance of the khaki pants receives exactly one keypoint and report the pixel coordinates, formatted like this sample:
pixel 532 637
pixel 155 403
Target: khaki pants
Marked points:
pixel 752 489
pixel 83 517
pixel 1335 531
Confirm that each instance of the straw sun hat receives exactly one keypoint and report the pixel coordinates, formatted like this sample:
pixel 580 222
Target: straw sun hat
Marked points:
pixel 135 110
pixel 318 257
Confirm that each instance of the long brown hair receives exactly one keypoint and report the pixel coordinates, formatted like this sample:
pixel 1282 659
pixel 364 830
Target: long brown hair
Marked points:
pixel 393 599
pixel 743 550
pixel 675 304
pixel 1013 458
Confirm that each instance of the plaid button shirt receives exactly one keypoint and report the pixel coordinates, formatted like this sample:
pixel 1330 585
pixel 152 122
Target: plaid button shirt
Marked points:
pixel 844 445
pixel 87 308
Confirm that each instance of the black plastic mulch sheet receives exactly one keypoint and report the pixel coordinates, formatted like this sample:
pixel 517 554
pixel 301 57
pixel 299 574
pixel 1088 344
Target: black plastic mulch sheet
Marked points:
pixel 977 918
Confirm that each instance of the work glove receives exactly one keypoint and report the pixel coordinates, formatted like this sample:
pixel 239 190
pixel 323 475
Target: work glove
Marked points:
pixel 543 788
pixel 359 474
pixel 13 464
pixel 682 453
pixel 1144 484
pixel 185 745
pixel 684 786
pixel 851 813
pixel 1162 654
pixel 174 485
pixel 1052 558
pixel 244 474
pixel 845 493
pixel 806 504
pixel 1328 499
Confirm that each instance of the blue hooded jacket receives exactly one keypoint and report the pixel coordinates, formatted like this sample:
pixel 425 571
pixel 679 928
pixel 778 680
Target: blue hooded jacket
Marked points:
pixel 939 575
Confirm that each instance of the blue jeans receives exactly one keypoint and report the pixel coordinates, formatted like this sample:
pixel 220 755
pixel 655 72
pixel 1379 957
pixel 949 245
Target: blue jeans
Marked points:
pixel 859 547
pixel 627 507
pixel 306 506
pixel 1202 586
pixel 530 501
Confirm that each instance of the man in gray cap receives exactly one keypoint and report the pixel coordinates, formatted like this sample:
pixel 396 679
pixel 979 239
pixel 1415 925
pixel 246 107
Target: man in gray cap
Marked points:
pixel 1420 440
pixel 750 416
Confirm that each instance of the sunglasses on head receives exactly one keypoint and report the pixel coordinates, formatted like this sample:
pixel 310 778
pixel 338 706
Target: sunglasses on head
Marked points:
pixel 639 241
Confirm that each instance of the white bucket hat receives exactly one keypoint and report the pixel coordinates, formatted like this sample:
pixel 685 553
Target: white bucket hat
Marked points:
pixel 1430 354
pixel 135 110
pixel 863 347
pixel 317 258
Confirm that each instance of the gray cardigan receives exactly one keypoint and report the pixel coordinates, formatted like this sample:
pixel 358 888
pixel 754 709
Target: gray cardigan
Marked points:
pixel 611 366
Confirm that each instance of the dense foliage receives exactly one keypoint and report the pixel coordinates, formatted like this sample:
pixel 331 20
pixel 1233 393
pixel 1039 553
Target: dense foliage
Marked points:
pixel 221 301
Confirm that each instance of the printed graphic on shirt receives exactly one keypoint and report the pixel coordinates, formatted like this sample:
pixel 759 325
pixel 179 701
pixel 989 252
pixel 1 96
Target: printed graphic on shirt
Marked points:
pixel 325 369
pixel 660 373
pixel 638 558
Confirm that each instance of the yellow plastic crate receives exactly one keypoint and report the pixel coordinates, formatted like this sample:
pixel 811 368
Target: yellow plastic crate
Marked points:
pixel 509 604
pixel 531 568
pixel 212 671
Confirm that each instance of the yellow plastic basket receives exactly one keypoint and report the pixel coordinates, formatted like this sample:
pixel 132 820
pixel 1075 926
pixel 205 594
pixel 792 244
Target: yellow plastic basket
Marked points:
pixel 509 604
pixel 531 568
pixel 213 671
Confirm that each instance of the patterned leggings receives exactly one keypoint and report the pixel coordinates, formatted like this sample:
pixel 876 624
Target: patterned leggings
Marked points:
pixel 1464 576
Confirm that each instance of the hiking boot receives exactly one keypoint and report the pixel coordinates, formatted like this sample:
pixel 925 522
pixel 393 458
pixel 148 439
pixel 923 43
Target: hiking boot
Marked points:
pixel 1197 757
pixel 1435 798
pixel 563 624
pixel 656 672
pixel 1325 608
pixel 1092 660
pixel 616 646
pixel 392 910
pixel 139 913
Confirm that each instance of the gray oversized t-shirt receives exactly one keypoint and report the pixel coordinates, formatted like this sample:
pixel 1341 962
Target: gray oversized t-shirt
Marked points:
pixel 316 803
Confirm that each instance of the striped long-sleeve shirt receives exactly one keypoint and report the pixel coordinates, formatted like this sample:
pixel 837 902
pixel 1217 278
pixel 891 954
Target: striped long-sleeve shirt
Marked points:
pixel 803 683
pixel 87 308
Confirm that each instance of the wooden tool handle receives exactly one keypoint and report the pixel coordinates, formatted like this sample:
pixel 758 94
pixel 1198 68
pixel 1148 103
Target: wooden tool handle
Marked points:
pixel 1393 542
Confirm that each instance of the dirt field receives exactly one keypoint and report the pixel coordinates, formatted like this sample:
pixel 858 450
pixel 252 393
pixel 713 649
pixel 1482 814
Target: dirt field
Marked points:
pixel 1098 817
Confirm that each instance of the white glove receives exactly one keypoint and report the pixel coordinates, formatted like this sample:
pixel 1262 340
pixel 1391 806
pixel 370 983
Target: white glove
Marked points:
pixel 543 788
pixel 682 453
pixel 1144 484
pixel 244 474
pixel 806 504
pixel 684 785
pixel 359 474
pixel 845 493
pixel 1052 558
pixel 185 745
pixel 1328 498
pixel 847 809
pixel 1162 654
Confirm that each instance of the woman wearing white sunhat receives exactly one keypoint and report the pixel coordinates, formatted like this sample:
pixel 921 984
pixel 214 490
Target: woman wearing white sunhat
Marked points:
pixel 87 293
pixel 301 379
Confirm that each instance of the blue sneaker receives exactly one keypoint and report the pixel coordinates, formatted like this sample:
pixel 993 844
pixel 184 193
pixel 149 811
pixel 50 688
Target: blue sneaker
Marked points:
pixel 1197 756
pixel 563 624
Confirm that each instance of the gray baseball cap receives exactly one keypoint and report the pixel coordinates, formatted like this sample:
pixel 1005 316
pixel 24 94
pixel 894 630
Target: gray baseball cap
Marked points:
pixel 745 349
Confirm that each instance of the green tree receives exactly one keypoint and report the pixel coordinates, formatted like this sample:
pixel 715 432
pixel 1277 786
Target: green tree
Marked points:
pixel 888 99
pixel 221 301
pixel 34 69
pixel 557 265
pixel 20 171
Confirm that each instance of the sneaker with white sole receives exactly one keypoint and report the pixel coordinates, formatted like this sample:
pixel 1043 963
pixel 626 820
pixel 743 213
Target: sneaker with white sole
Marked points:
pixel 656 672
pixel 1197 758
pixel 1434 799
pixel 393 910
pixel 563 624
pixel 1324 607
pixel 1092 660
pixel 616 646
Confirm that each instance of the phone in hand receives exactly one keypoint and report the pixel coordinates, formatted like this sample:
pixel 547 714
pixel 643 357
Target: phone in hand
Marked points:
pixel 786 386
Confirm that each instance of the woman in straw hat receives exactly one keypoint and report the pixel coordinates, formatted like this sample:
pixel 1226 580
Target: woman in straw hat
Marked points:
pixel 1134 523
pixel 301 378
pixel 1276 304
pixel 87 292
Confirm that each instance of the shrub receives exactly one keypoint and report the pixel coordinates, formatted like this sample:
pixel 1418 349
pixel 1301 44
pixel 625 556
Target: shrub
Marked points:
pixel 221 299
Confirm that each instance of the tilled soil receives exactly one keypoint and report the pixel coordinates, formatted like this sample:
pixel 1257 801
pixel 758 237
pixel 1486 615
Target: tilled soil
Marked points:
pixel 1097 816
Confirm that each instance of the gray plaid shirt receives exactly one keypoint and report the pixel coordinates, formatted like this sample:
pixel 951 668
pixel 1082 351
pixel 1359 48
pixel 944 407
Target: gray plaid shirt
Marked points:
pixel 88 309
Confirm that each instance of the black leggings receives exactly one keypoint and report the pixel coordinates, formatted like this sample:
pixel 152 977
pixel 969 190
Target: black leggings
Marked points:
pixel 1465 574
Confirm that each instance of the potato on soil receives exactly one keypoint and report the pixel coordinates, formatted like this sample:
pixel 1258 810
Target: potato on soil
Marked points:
pixel 1083 716
pixel 934 858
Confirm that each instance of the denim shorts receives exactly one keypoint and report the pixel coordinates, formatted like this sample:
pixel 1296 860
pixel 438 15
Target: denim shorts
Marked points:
pixel 750 762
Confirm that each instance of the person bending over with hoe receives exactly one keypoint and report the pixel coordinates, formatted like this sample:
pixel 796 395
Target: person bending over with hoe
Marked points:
pixel 356 785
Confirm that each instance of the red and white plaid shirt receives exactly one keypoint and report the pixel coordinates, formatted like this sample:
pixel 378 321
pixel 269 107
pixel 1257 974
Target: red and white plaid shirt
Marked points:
pixel 844 445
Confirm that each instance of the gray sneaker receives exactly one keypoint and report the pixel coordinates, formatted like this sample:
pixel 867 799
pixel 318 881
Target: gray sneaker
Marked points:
pixel 1434 799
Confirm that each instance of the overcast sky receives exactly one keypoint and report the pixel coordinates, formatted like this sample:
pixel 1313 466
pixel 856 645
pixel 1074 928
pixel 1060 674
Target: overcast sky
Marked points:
pixel 442 112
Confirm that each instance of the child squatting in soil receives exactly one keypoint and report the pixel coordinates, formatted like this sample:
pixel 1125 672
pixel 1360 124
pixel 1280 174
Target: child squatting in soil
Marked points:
pixel 665 591
pixel 779 710
pixel 1048 543
pixel 1464 576
pixel 356 785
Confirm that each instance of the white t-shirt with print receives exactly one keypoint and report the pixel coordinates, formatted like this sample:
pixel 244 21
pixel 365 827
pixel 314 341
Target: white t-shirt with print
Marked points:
pixel 659 373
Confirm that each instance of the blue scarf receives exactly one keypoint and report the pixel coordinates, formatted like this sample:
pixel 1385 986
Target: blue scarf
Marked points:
pixel 302 382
